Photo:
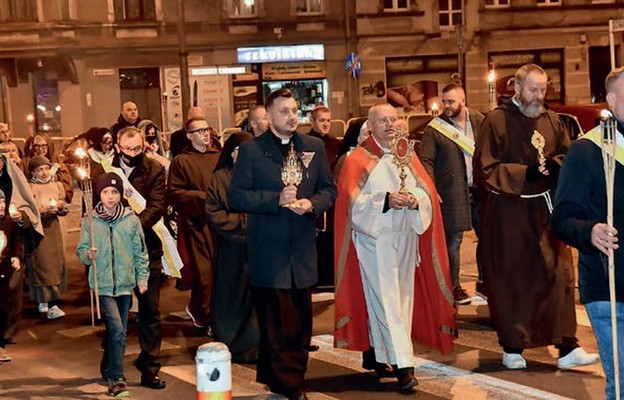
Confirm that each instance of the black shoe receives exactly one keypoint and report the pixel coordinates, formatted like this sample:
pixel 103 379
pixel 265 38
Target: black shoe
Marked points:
pixel 118 389
pixel 152 381
pixel 369 363
pixel 461 297
pixel 407 381
pixel 481 291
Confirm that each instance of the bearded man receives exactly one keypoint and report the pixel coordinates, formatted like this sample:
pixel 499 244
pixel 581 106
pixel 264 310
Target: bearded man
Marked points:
pixel 527 270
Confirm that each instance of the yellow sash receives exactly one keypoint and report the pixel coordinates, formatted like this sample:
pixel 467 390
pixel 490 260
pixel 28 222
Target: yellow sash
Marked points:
pixel 595 136
pixel 172 263
pixel 465 142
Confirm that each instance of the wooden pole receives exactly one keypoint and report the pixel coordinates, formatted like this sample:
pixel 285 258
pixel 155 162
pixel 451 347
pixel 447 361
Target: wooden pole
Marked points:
pixel 609 146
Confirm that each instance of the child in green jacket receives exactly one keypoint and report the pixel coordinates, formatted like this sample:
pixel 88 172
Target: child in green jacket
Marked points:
pixel 121 259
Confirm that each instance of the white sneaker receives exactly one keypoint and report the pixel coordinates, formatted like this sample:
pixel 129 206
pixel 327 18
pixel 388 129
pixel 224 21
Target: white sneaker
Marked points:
pixel 55 312
pixel 513 361
pixel 43 308
pixel 4 355
pixel 576 358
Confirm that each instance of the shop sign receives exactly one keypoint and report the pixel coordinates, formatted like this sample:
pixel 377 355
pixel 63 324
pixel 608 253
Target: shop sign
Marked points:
pixel 103 71
pixel 293 71
pixel 270 54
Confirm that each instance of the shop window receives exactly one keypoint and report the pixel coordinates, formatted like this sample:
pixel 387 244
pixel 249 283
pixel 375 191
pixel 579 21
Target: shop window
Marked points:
pixel 450 13
pixel 18 10
pixel 134 10
pixel 243 8
pixel 548 2
pixel 497 3
pixel 48 117
pixel 309 7
pixel 395 5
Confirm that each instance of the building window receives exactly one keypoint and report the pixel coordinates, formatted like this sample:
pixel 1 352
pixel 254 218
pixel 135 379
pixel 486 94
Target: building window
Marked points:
pixel 548 2
pixel 309 7
pixel 395 5
pixel 18 10
pixel 243 8
pixel 135 10
pixel 497 3
pixel 450 13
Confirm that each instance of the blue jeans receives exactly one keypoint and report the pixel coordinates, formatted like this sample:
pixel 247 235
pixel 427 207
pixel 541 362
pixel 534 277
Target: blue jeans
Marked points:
pixel 599 313
pixel 453 244
pixel 115 311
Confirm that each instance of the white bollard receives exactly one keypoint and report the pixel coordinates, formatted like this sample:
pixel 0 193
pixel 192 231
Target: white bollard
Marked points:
pixel 214 372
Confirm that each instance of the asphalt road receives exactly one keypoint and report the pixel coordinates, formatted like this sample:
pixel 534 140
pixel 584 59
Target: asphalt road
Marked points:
pixel 59 359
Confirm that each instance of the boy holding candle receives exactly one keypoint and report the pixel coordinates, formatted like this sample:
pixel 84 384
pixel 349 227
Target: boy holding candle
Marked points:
pixel 46 274
pixel 112 243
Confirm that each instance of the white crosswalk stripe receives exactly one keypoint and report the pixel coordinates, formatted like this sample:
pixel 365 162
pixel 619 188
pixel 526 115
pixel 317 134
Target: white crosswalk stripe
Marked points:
pixel 439 379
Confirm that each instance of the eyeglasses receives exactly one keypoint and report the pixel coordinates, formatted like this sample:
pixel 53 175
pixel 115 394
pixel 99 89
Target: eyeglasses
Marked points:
pixel 201 131
pixel 136 149
pixel 40 146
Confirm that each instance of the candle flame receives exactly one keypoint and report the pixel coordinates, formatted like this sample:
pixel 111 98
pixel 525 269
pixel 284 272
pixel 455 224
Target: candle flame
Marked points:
pixel 82 173
pixel 12 209
pixel 53 202
pixel 491 76
pixel 80 152
pixel 30 118
pixel 434 107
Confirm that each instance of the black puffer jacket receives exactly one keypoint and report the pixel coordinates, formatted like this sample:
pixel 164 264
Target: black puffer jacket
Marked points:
pixel 149 179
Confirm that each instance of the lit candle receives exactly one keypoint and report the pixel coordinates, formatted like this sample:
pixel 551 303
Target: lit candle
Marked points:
pixel 12 210
pixel 80 153
pixel 434 109
pixel 82 173
pixel 492 89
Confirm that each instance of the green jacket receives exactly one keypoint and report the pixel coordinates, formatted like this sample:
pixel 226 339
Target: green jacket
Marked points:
pixel 122 261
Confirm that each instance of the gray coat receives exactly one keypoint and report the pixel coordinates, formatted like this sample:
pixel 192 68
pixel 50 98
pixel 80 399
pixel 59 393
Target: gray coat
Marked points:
pixel 444 161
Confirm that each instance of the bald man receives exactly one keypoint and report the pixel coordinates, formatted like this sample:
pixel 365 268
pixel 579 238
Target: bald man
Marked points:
pixel 129 116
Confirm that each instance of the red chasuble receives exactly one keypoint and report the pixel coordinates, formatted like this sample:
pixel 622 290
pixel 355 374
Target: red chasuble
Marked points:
pixel 434 314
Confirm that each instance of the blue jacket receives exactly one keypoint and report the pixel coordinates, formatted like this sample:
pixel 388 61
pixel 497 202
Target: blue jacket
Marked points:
pixel 122 261
pixel 281 244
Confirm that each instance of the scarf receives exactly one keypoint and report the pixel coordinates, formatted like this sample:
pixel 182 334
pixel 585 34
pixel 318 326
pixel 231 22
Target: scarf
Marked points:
pixel 35 179
pixel 102 213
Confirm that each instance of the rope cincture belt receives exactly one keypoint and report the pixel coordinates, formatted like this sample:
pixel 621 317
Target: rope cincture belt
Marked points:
pixel 545 195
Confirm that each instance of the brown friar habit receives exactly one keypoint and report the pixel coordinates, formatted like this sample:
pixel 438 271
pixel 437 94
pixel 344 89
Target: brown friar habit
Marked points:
pixel 189 177
pixel 528 272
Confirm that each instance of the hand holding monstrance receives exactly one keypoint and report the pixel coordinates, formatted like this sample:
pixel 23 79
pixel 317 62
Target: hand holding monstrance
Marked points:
pixel 402 147
pixel 292 175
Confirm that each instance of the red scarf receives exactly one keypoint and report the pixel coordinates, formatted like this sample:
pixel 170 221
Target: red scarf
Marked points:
pixel 434 314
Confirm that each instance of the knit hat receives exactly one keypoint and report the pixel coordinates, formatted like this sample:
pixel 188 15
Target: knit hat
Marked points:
pixel 109 179
pixel 95 136
pixel 36 162
pixel 2 195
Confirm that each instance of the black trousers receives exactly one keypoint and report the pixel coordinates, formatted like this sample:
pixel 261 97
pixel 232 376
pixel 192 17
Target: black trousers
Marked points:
pixel 285 319
pixel 150 328
pixel 14 301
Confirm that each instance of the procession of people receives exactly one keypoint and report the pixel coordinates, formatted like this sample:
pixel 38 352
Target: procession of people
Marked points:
pixel 251 225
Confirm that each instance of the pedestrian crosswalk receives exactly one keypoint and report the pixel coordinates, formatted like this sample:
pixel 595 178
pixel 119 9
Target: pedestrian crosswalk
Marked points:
pixel 437 380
